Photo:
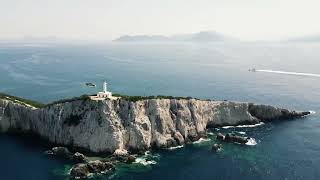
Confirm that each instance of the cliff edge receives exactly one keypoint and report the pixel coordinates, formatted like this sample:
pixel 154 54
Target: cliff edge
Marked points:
pixel 122 125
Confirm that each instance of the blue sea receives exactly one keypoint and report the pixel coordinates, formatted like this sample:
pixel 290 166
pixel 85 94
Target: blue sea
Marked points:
pixel 287 150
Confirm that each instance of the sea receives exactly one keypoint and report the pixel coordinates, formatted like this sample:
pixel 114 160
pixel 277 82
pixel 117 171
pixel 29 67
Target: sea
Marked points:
pixel 281 150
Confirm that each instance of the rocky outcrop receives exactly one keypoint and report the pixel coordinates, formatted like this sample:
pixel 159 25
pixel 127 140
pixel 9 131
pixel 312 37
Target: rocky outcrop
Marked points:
pixel 79 157
pixel 216 147
pixel 63 152
pixel 83 170
pixel 121 125
pixel 125 158
pixel 270 113
pixel 220 137
pixel 229 137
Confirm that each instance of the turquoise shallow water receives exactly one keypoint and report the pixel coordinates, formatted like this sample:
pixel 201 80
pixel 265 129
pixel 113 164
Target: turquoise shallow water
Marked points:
pixel 284 150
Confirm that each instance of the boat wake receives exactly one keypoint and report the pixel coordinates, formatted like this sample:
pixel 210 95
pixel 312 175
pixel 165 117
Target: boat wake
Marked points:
pixel 287 73
pixel 312 112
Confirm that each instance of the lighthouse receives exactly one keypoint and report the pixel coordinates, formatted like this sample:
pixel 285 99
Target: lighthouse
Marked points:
pixel 105 93
pixel 105 87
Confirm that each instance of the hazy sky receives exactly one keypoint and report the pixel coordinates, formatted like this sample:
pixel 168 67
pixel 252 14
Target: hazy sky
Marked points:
pixel 107 19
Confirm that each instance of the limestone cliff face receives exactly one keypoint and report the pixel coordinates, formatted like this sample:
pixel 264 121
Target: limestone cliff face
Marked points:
pixel 110 125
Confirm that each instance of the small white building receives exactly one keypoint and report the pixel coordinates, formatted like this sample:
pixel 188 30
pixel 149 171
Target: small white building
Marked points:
pixel 105 93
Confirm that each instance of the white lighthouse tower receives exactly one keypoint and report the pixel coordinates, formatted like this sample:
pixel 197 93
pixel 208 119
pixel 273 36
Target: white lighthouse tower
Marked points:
pixel 105 87
pixel 105 93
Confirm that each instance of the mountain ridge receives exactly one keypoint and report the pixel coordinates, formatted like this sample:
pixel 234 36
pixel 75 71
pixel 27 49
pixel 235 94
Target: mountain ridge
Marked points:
pixel 203 36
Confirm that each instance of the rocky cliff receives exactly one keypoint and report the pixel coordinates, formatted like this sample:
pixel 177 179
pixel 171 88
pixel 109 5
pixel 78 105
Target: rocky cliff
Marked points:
pixel 121 125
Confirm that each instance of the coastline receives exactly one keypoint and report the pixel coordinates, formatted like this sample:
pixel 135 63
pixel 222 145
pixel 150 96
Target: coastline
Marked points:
pixel 133 124
pixel 124 129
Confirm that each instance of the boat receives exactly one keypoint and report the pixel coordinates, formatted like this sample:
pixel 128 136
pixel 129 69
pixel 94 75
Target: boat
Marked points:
pixel 89 84
pixel 252 70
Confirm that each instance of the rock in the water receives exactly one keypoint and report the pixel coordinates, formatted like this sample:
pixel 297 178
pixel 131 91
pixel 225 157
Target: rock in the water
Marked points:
pixel 234 138
pixel 98 166
pixel 125 158
pixel 80 171
pixel 79 158
pixel 229 137
pixel 63 152
pixel 220 137
pixel 83 170
pixel 131 159
pixel 193 137
pixel 217 147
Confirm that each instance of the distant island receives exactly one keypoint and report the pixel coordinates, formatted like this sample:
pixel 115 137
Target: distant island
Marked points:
pixel 204 36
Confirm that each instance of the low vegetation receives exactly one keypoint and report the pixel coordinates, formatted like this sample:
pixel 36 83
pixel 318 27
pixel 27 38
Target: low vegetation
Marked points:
pixel 39 104
pixel 83 97
pixel 21 100
pixel 138 98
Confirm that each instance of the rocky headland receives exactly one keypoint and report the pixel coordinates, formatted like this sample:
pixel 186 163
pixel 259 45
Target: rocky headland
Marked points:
pixel 125 125
pixel 121 126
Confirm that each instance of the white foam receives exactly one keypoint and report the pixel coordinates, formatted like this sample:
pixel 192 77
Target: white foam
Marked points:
pixel 251 142
pixel 210 133
pixel 147 153
pixel 288 73
pixel 227 127
pixel 144 162
pixel 312 112
pixel 249 126
pixel 201 140
pixel 48 152
pixel 244 126
pixel 175 147
pixel 241 132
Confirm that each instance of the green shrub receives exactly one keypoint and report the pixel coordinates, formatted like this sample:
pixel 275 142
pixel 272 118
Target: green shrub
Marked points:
pixel 85 97
pixel 19 99
pixel 82 97
pixel 138 98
